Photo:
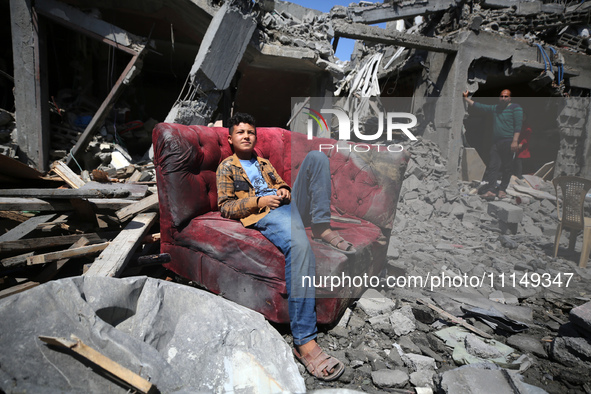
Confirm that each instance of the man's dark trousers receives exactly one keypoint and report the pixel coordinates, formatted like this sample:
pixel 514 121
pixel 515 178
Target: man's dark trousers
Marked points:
pixel 500 161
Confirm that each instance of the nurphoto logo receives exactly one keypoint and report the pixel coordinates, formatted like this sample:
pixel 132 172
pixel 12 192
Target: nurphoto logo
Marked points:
pixel 345 124
pixel 344 133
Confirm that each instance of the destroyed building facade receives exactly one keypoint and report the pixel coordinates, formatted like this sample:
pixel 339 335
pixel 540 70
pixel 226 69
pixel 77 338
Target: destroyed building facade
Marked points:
pixel 78 73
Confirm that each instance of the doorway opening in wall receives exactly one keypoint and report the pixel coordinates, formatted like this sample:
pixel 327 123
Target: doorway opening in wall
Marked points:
pixel 540 114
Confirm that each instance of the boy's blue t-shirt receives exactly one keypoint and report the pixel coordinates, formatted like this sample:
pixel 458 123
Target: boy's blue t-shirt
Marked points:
pixel 253 171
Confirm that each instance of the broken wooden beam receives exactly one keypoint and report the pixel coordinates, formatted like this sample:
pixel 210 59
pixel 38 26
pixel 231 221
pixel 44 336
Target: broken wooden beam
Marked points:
pixel 65 193
pixel 115 257
pixel 36 204
pixel 25 228
pixel 114 368
pixel 47 274
pixel 455 319
pixel 358 31
pixel 152 259
pixel 66 254
pixel 148 203
pixel 24 245
pixel 68 176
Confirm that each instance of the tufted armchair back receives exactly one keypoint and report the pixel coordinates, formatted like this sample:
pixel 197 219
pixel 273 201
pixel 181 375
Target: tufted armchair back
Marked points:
pixel 365 185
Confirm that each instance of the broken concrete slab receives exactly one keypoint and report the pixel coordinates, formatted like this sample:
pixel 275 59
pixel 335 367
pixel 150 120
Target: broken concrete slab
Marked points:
pixel 471 380
pixel 216 62
pixel 581 317
pixel 527 344
pixel 389 378
pixel 373 303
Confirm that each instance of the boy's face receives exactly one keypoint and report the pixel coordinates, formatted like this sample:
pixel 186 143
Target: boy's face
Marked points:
pixel 243 140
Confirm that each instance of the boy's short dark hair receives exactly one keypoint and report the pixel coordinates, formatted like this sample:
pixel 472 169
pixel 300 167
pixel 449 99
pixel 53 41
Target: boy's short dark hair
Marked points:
pixel 240 117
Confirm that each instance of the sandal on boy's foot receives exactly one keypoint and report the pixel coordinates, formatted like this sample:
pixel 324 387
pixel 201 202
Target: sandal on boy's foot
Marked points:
pixel 502 194
pixel 335 241
pixel 317 362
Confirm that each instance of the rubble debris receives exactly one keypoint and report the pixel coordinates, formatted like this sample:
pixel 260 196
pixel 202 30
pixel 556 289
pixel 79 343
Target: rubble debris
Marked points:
pixel 113 259
pixel 215 64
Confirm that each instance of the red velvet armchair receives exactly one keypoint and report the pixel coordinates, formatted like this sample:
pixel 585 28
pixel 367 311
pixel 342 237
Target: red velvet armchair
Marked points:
pixel 239 263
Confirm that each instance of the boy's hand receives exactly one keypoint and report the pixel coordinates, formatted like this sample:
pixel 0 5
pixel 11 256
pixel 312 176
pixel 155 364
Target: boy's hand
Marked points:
pixel 269 201
pixel 284 194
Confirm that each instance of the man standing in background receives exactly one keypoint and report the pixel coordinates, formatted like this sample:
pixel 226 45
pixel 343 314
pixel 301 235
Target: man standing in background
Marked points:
pixel 507 121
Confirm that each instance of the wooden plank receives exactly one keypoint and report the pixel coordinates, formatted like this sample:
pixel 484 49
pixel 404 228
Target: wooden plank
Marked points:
pixel 134 177
pixel 455 319
pixel 26 227
pixel 66 193
pixel 14 216
pixel 46 275
pixel 102 361
pixel 69 176
pixel 544 169
pixel 113 260
pixel 37 204
pixel 24 245
pixel 134 191
pixel 21 259
pixel 148 203
pixel 63 254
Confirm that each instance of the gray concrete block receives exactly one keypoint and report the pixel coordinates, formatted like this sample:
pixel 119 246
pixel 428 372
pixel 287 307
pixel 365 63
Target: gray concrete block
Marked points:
pixel 470 380
pixel 581 316
pixel 389 378
pixel 527 344
pixel 373 303
pixel 505 212
pixel 418 362
pixel 402 324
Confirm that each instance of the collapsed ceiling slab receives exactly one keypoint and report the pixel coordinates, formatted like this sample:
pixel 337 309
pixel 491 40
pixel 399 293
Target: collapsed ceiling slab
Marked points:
pixel 398 10
pixel 391 37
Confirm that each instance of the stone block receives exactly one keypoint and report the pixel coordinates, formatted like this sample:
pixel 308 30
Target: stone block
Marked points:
pixel 505 212
pixel 581 316
pixel 389 378
pixel 470 380
pixel 527 344
pixel 373 303
pixel 401 323
pixel 418 362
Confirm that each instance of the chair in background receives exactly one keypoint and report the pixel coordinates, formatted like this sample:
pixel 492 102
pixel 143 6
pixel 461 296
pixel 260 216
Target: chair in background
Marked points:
pixel 573 217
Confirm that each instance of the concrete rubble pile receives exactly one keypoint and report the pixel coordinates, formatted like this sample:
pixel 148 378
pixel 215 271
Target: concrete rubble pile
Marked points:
pixel 391 340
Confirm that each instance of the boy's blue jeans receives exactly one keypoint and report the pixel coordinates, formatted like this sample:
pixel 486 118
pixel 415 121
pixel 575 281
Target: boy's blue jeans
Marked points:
pixel 284 227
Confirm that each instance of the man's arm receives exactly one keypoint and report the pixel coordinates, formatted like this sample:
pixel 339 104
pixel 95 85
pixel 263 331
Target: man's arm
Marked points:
pixel 518 122
pixel 467 99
